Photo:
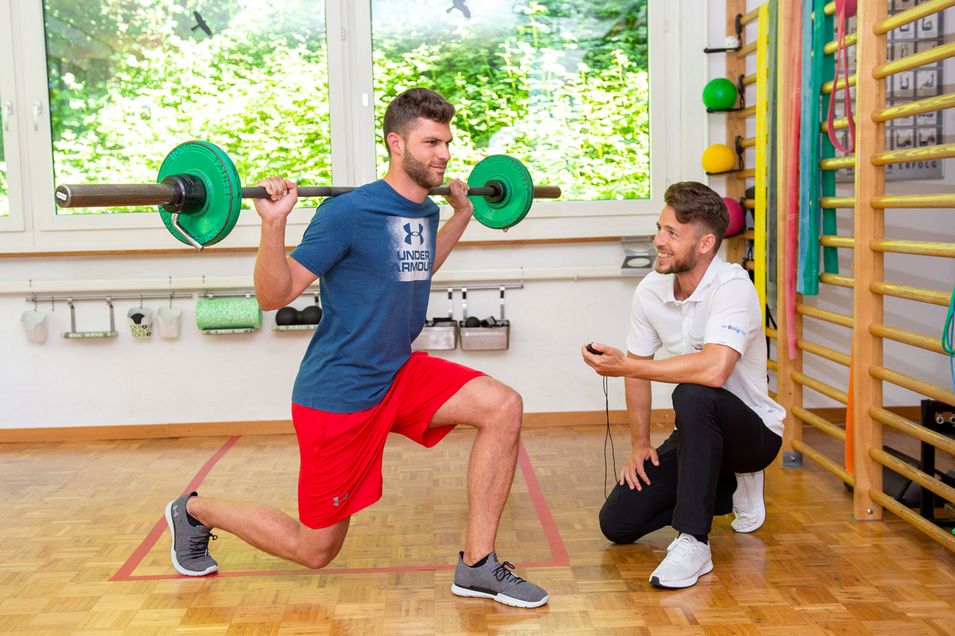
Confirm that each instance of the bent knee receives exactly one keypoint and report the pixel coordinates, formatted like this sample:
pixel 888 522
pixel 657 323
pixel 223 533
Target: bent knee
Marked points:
pixel 693 395
pixel 318 559
pixel 613 530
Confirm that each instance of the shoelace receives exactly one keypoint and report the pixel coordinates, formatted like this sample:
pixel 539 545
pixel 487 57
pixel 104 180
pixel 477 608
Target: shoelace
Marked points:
pixel 680 549
pixel 199 544
pixel 503 573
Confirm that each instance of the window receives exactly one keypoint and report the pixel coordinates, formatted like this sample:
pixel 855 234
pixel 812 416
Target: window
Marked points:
pixel 128 81
pixel 596 97
pixel 563 85
pixel 7 106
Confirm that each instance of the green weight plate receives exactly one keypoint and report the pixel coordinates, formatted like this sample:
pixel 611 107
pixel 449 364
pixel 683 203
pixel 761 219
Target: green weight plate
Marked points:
pixel 219 213
pixel 518 191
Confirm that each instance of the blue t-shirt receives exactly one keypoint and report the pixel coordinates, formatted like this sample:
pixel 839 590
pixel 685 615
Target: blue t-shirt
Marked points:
pixel 373 250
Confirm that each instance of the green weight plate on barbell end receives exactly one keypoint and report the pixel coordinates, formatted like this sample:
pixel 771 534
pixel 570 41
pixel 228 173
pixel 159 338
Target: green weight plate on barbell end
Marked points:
pixel 518 191
pixel 220 211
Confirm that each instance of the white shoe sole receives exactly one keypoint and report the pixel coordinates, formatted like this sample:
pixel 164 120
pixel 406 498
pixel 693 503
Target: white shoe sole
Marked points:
pixel 172 549
pixel 745 526
pixel 500 598
pixel 687 582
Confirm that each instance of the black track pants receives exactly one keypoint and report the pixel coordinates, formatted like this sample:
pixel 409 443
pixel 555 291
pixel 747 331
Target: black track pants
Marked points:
pixel 716 436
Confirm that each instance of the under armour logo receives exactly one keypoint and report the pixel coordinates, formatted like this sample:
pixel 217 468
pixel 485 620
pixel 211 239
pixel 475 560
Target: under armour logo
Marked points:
pixel 336 501
pixel 409 234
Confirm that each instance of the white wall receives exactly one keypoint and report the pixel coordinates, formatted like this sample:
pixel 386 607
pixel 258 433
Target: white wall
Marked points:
pixel 201 378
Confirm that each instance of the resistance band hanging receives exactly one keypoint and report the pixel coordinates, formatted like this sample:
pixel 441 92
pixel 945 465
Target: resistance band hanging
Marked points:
pixel 827 62
pixel 845 9
pixel 789 147
pixel 761 176
pixel 772 162
pixel 807 278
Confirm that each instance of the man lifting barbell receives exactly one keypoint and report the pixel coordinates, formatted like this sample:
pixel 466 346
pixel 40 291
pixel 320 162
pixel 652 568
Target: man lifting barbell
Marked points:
pixel 375 250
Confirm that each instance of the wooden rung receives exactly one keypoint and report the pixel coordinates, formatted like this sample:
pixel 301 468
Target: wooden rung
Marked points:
pixel 747 142
pixel 820 387
pixel 749 80
pixel 837 280
pixel 831 47
pixel 941 151
pixel 838 202
pixel 918 521
pixel 909 427
pixel 836 163
pixel 839 123
pixel 911 338
pixel 913 247
pixel 927 389
pixel 772 366
pixel 917 12
pixel 823 352
pixel 911 293
pixel 927 105
pixel 823 425
pixel 838 241
pixel 909 201
pixel 749 17
pixel 822 314
pixel 823 461
pixel 746 50
pixel 907 470
pixel 907 63
pixel 828 86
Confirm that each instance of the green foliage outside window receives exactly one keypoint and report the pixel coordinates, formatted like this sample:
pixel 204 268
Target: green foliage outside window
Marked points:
pixel 131 79
pixel 565 90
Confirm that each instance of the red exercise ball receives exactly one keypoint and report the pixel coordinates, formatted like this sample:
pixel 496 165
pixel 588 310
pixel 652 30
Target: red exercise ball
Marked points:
pixel 737 217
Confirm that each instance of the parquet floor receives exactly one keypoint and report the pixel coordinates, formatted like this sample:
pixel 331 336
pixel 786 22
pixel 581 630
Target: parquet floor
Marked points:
pixel 83 550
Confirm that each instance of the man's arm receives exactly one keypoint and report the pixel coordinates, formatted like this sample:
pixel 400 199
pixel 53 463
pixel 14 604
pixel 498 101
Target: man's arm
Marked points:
pixel 278 279
pixel 450 233
pixel 710 367
pixel 639 398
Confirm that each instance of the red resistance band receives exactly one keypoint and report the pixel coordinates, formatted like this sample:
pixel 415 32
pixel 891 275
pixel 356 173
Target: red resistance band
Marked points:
pixel 845 9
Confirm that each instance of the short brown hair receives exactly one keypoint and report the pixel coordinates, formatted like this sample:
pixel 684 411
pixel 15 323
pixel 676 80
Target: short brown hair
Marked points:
pixel 694 202
pixel 412 104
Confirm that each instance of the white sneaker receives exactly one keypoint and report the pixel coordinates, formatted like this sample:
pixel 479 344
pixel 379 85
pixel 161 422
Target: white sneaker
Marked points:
pixel 687 560
pixel 748 504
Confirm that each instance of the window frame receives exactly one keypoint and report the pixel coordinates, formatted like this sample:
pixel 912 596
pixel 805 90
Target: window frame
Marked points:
pixel 10 115
pixel 676 141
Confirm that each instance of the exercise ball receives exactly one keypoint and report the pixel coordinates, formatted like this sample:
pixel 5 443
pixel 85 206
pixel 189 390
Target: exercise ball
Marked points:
pixel 311 315
pixel 718 158
pixel 737 217
pixel 286 316
pixel 719 94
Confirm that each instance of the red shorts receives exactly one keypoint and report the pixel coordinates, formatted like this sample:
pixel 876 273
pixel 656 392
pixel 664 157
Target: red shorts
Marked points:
pixel 340 469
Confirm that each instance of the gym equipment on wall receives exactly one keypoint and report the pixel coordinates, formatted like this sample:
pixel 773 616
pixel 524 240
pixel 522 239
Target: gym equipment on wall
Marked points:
pixel 200 195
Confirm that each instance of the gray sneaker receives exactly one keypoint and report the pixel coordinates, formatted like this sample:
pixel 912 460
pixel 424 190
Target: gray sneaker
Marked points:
pixel 190 544
pixel 494 580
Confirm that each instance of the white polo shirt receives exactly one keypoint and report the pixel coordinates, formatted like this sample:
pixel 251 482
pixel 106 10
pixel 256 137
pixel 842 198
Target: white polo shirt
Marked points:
pixel 723 309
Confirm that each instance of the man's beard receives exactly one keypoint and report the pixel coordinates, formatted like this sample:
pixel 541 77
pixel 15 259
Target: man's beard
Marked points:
pixel 419 171
pixel 677 266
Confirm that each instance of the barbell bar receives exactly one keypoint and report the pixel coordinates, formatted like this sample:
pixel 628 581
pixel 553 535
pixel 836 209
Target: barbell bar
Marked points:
pixel 199 193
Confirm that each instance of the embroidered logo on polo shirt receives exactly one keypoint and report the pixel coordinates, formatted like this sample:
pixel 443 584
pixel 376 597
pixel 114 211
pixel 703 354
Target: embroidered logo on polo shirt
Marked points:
pixel 734 329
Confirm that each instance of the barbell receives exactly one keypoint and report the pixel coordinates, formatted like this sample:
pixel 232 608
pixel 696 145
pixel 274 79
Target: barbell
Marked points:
pixel 199 193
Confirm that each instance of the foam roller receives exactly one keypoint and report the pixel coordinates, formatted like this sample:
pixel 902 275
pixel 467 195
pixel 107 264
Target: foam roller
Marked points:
pixel 228 313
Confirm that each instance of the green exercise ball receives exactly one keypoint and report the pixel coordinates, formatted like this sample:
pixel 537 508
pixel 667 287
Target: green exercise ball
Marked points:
pixel 720 94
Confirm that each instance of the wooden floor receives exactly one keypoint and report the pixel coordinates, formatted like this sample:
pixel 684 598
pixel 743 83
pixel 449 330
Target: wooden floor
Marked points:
pixel 84 551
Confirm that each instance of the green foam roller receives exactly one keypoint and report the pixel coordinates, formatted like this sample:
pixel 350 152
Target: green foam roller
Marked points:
pixel 228 313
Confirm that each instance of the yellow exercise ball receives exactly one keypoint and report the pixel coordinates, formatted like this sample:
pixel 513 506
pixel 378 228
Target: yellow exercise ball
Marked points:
pixel 719 158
